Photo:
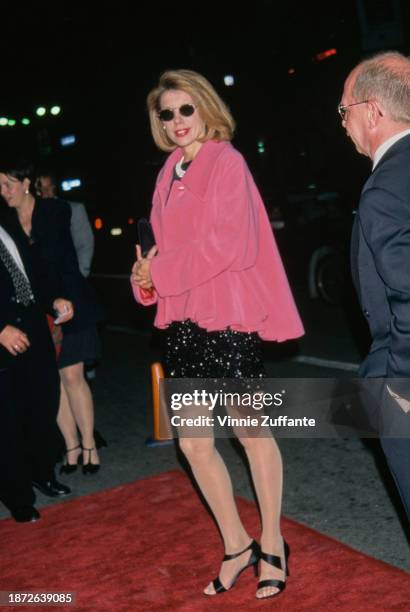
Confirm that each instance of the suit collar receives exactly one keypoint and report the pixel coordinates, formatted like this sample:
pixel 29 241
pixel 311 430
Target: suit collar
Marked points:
pixel 399 145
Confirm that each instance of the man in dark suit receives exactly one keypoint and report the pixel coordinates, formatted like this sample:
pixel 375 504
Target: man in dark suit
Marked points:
pixel 375 112
pixel 29 380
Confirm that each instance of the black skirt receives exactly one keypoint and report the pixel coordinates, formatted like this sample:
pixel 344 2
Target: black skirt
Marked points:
pixel 193 352
pixel 82 346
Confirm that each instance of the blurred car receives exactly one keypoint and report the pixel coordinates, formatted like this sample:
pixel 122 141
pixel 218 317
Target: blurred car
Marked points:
pixel 313 229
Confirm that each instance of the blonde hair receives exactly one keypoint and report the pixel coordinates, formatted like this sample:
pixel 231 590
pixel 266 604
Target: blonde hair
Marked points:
pixel 219 123
pixel 386 77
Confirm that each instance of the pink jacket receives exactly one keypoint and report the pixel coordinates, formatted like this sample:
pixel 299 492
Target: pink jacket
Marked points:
pixel 217 262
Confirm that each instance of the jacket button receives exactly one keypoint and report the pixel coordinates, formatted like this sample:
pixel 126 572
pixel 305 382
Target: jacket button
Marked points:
pixel 366 313
pixel 181 188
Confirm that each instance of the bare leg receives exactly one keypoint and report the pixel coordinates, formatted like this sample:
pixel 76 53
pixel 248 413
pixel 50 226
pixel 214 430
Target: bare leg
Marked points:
pixel 81 405
pixel 266 467
pixel 68 427
pixel 214 481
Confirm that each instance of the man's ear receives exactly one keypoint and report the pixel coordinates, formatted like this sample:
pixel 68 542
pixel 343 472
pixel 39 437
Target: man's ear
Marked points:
pixel 373 113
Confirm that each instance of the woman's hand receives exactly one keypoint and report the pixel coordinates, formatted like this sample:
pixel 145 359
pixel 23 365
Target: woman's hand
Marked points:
pixel 64 310
pixel 14 340
pixel 141 270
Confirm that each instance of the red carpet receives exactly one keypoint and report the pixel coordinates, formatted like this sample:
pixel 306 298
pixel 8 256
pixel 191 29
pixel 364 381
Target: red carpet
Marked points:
pixel 150 545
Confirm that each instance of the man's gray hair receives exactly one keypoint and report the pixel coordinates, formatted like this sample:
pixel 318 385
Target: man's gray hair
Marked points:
pixel 386 77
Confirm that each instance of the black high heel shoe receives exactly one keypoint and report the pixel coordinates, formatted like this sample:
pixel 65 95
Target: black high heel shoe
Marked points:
pixel 275 562
pixel 90 468
pixel 69 468
pixel 253 560
pixel 100 442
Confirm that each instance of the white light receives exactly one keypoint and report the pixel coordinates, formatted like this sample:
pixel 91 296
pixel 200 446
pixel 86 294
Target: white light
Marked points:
pixel 3 121
pixel 41 111
pixel 70 184
pixel 55 110
pixel 116 231
pixel 229 80
pixel 66 141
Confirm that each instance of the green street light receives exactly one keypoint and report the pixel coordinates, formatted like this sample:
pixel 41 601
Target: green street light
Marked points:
pixel 55 110
pixel 40 111
pixel 3 121
pixel 25 121
pixel 261 146
pixel 11 122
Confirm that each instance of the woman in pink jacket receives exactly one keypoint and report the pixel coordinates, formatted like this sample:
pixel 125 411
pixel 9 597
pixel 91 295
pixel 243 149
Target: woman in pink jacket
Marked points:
pixel 220 287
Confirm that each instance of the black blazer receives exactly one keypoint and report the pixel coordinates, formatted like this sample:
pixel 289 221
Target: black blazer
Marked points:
pixel 56 262
pixel 380 261
pixel 31 320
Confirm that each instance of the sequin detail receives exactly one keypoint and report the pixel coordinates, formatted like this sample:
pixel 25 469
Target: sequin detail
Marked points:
pixel 193 352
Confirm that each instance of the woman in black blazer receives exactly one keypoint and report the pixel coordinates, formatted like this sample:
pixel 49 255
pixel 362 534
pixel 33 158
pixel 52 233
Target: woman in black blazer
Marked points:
pixel 46 224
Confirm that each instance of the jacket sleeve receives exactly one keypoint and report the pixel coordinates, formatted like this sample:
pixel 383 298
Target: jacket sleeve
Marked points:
pixel 54 252
pixel 143 297
pixel 83 237
pixel 3 320
pixel 385 220
pixel 228 239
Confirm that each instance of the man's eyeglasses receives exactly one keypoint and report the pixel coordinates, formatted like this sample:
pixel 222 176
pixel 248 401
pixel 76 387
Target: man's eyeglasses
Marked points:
pixel 342 108
pixel 168 114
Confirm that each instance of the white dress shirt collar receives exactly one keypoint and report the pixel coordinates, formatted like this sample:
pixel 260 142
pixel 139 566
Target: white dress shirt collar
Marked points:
pixel 385 146
pixel 12 249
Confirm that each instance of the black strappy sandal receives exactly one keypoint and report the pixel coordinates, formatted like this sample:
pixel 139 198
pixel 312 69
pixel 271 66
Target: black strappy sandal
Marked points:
pixel 253 560
pixel 90 468
pixel 69 468
pixel 275 562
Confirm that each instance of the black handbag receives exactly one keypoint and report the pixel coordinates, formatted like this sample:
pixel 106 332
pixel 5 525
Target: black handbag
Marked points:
pixel 146 238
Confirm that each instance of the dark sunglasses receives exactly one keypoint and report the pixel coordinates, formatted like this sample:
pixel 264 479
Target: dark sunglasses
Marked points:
pixel 168 114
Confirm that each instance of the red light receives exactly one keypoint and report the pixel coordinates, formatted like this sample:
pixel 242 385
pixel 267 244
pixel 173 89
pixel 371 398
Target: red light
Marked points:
pixel 325 54
pixel 131 220
pixel 98 223
pixel 291 71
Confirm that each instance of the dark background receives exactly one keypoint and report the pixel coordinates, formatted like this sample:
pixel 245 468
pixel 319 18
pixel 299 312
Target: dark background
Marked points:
pixel 98 62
